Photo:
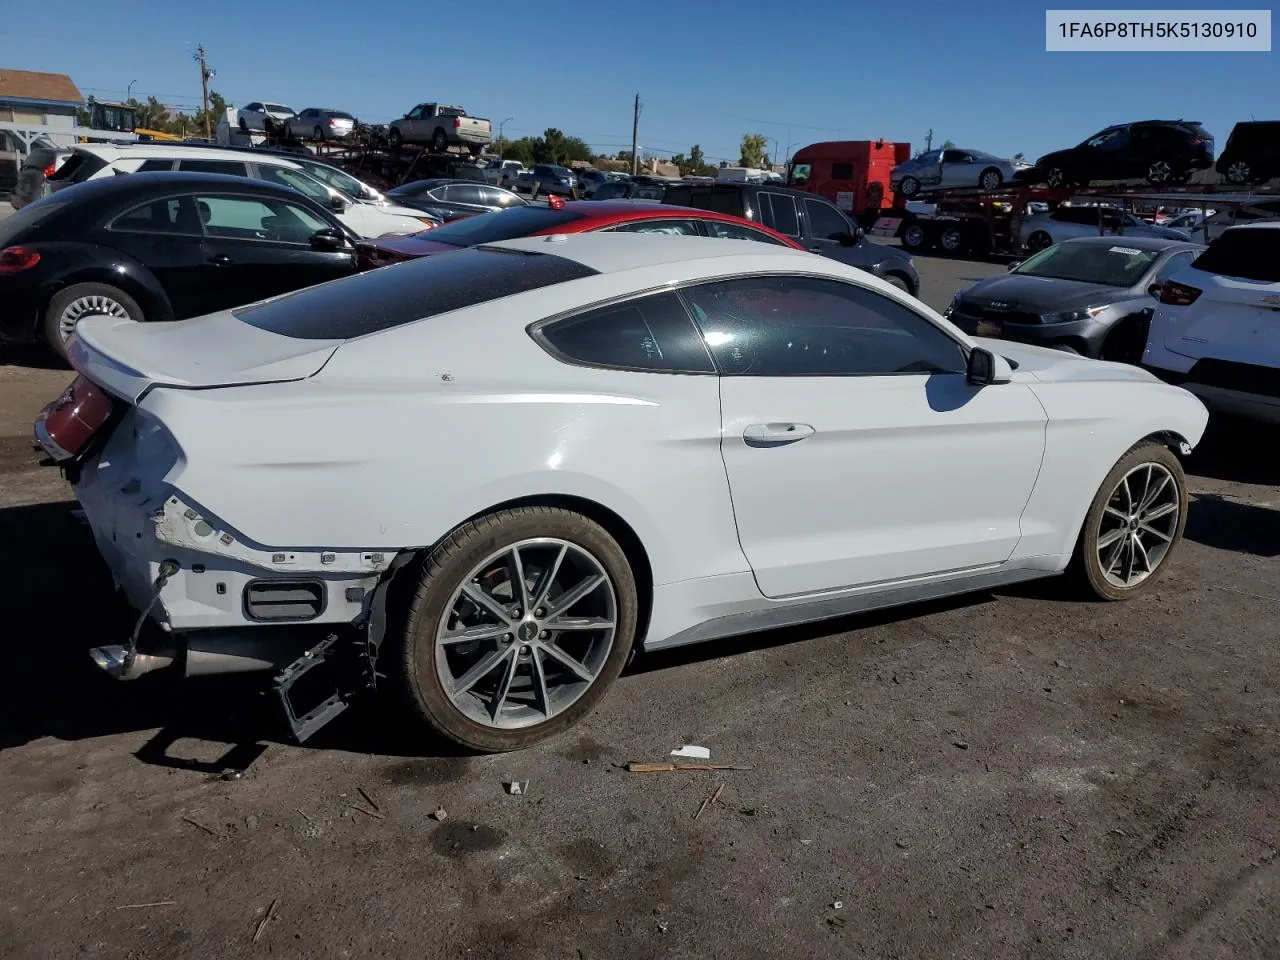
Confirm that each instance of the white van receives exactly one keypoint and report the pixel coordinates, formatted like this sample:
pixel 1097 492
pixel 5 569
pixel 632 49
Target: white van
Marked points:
pixel 90 161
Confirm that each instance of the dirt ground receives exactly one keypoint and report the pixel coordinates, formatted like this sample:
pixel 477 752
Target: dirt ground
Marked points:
pixel 1008 775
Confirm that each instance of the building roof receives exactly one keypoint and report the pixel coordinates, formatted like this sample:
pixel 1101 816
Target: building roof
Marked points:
pixel 30 85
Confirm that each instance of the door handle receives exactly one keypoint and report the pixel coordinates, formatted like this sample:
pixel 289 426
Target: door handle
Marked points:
pixel 775 434
pixel 221 260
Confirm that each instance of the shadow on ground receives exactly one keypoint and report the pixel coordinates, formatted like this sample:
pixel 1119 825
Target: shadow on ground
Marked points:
pixel 29 355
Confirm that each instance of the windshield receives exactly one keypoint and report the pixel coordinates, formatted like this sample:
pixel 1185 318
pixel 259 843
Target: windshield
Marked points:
pixel 302 182
pixel 1113 265
pixel 277 108
pixel 343 182
pixel 500 225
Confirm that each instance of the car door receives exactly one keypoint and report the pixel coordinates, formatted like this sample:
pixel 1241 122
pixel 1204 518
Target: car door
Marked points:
pixel 857 452
pixel 165 236
pixel 261 247
pixel 827 231
pixel 958 169
pixel 1110 159
pixel 467 196
pixel 411 126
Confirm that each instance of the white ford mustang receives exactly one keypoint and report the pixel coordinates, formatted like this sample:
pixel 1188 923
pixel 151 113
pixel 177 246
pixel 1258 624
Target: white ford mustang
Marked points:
pixel 495 473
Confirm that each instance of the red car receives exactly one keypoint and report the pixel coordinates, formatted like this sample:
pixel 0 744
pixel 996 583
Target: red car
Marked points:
pixel 559 216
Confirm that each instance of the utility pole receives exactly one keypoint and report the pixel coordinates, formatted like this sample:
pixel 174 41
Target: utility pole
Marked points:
pixel 205 74
pixel 928 140
pixel 635 133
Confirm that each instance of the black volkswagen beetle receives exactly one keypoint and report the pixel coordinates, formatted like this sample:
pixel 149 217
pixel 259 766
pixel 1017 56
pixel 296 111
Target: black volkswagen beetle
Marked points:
pixel 160 246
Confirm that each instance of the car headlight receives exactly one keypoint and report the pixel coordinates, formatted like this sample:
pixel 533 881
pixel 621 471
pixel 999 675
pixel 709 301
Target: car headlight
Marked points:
pixel 1072 316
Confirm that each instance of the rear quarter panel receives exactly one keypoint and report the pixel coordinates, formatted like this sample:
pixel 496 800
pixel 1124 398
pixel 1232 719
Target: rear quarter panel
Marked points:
pixel 406 434
pixel 1092 424
pixel 69 263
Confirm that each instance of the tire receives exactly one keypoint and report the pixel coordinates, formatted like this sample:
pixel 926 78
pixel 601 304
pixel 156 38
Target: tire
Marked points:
pixel 1087 568
pixel 319 134
pixel 288 131
pixel 81 300
pixel 395 139
pixel 896 281
pixel 1125 342
pixel 1239 171
pixel 1056 177
pixel 244 125
pixel 477 552
pixel 1160 172
pixel 909 186
pixel 915 237
pixel 439 140
pixel 1039 240
pixel 990 179
pixel 951 240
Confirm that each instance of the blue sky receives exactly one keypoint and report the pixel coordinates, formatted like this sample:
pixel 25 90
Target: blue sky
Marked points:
pixel 974 73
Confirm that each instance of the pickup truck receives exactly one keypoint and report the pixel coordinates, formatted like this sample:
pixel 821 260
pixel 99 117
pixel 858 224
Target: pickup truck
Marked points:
pixel 443 127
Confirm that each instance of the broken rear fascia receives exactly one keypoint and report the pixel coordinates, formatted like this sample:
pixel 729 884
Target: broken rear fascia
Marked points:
pixel 176 523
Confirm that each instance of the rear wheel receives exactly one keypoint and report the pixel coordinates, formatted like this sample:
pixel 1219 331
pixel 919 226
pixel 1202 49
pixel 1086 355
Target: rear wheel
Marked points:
pixel 1239 171
pixel 1136 520
pixel 68 307
pixel 439 141
pixel 1056 177
pixel 990 179
pixel 909 187
pixel 1159 172
pixel 951 239
pixel 521 621
pixel 319 134
pixel 915 237
pixel 1039 240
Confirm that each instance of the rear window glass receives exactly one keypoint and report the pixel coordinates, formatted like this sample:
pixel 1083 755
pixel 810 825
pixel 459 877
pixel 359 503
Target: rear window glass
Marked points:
pixel 41 157
pixel 717 199
pixel 79 167
pixel 501 225
pixel 1250 253
pixel 393 296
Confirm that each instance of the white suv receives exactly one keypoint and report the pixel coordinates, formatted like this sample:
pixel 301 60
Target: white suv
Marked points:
pixel 368 219
pixel 1216 329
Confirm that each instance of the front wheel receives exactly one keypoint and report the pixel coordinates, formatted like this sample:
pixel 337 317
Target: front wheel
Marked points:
pixel 1134 523
pixel 951 239
pixel 1039 240
pixel 68 307
pixel 521 622
pixel 991 179
pixel 1239 171
pixel 395 139
pixel 909 187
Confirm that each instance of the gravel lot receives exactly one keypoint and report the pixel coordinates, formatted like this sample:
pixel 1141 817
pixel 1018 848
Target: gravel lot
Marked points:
pixel 1008 775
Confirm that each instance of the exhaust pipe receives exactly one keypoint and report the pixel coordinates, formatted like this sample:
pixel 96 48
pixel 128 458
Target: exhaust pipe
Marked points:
pixel 123 664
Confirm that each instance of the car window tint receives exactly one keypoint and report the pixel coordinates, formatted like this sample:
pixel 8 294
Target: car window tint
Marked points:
pixel 785 219
pixel 427 287
pixel 825 222
pixel 1173 265
pixel 650 333
pixel 296 179
pixel 805 326
pixel 1249 253
pixel 171 215
pixel 675 228
pixel 738 231
pixel 228 167
pixel 466 193
pixel 153 166
pixel 247 218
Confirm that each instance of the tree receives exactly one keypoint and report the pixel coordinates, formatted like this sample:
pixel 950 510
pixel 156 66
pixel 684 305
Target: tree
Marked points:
pixel 948 145
pixel 1019 157
pixel 753 145
pixel 696 160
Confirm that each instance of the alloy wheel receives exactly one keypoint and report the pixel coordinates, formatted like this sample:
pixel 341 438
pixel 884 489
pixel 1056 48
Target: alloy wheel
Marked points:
pixel 950 239
pixel 913 237
pixel 1055 177
pixel 990 180
pixel 1238 172
pixel 1159 172
pixel 92 305
pixel 1138 525
pixel 527 633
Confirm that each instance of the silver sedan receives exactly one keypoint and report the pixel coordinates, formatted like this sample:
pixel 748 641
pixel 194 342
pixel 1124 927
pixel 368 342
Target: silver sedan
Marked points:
pixel 945 169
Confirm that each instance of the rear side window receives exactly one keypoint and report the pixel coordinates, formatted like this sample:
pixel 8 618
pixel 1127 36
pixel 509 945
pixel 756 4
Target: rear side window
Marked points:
pixel 650 333
pixel 716 199
pixel 228 167
pixel 79 167
pixel 738 231
pixel 155 166
pixel 785 219
pixel 397 295
pixel 1250 253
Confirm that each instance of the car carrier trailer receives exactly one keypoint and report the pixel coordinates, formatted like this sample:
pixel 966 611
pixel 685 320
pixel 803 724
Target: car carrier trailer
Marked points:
pixel 989 222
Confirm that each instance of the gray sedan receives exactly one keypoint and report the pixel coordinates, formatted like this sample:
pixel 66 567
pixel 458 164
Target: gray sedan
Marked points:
pixel 1038 232
pixel 1092 295
pixel 947 169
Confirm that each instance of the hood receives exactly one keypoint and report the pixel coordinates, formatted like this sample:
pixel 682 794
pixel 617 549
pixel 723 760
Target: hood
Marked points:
pixel 1169 233
pixel 211 351
pixel 1040 294
pixel 416 245
pixel 1056 157
pixel 1056 366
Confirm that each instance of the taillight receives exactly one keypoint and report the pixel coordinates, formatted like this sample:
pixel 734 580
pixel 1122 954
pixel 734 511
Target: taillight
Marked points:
pixel 65 427
pixel 1178 294
pixel 555 202
pixel 331 121
pixel 457 123
pixel 17 259
pixel 48 171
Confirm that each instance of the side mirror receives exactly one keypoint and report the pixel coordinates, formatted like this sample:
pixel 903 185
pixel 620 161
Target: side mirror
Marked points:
pixel 985 368
pixel 337 202
pixel 1154 289
pixel 327 239
pixel 1015 265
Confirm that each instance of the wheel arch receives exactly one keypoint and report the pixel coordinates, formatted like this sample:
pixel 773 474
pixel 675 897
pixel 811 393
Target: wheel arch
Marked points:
pixel 149 296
